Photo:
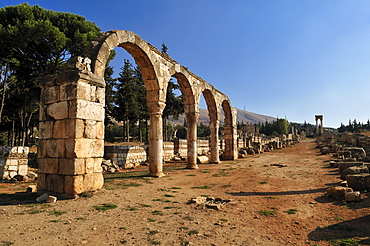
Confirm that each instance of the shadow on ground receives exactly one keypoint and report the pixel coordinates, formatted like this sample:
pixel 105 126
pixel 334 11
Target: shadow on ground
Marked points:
pixel 356 228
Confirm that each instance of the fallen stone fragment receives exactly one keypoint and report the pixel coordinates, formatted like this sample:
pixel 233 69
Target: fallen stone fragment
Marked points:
pixel 353 196
pixel 202 159
pixel 42 198
pixel 338 192
pixel 51 199
pixel 359 182
pixel 354 170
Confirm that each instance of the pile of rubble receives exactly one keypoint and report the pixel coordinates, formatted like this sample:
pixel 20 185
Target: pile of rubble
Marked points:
pixel 353 165
pixel 209 202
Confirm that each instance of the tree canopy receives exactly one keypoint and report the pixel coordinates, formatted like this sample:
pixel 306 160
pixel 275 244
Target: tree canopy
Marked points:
pixel 34 42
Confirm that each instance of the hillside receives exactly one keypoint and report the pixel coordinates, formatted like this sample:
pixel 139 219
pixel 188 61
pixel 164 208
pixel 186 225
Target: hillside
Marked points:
pixel 242 116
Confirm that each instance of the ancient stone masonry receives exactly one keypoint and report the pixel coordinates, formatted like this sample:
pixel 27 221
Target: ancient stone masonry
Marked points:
pixel 71 144
pixel 13 161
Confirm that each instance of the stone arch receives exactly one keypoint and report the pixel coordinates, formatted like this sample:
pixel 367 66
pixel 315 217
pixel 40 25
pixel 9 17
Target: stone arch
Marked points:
pixel 230 131
pixel 214 116
pixel 71 143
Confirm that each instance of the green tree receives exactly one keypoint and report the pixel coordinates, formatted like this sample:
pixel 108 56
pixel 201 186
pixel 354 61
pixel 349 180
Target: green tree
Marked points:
pixel 34 42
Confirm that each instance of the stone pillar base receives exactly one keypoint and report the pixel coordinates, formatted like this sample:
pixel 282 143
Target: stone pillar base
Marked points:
pixel 157 175
pixel 192 166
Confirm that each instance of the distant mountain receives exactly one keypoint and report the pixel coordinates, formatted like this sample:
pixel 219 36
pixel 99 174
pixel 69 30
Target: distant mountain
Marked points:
pixel 242 116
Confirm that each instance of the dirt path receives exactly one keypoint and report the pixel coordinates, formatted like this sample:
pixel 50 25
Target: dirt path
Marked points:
pixel 278 199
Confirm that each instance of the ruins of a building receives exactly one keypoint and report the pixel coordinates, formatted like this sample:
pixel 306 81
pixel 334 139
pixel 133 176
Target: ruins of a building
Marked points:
pixel 71 143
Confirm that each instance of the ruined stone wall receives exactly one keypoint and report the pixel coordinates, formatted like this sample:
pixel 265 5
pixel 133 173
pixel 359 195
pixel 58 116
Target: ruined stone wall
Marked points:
pixel 126 156
pixel 181 147
pixel 203 147
pixel 13 161
pixel 168 151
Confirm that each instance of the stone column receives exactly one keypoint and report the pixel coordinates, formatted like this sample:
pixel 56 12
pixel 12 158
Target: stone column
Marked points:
pixel 191 123
pixel 71 144
pixel 231 145
pixel 214 142
pixel 156 139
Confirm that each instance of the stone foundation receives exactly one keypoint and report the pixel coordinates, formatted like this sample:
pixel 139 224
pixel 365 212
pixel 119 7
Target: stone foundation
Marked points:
pixel 13 161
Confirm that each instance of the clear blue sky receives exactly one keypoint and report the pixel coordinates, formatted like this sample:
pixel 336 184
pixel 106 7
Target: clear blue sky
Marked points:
pixel 286 58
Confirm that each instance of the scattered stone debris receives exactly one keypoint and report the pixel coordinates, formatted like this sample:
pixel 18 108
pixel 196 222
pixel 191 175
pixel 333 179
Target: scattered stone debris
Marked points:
pixel 31 189
pixel 46 198
pixel 202 159
pixel 209 202
pixel 109 166
pixel 275 165
pixel 338 192
pixel 353 196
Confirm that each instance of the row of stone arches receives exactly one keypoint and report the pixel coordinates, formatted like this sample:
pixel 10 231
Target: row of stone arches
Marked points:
pixel 72 114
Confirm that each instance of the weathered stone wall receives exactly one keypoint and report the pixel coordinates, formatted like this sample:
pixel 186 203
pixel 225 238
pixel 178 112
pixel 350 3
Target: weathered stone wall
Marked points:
pixel 126 156
pixel 181 147
pixel 13 161
pixel 168 151
pixel 203 147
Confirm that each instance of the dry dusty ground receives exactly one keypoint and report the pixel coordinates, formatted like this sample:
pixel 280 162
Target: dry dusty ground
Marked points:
pixel 271 205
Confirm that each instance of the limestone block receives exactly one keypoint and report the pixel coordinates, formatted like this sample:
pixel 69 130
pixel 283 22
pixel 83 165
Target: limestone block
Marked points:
pixel 12 174
pixel 55 148
pixel 83 91
pixel 93 181
pixel 100 94
pixel 41 184
pixel 100 130
pixel 112 40
pixel 344 165
pixel 23 170
pixel 93 93
pixel 359 182
pixel 59 129
pixel 83 148
pixel 90 129
pixel 354 170
pixel 353 196
pixel 48 165
pixel 89 165
pixel 68 91
pixel 41 148
pixel 338 192
pixel 71 166
pixel 73 184
pixel 55 183
pixel 46 129
pixel 98 148
pixel 12 168
pixel 22 162
pixel 58 110
pixel 89 110
pixel 11 162
pixel 50 95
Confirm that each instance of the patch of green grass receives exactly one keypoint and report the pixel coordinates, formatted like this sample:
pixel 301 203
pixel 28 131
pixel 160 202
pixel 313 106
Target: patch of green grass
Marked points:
pixel 201 187
pixel 263 182
pixel 175 188
pixel 145 205
pixel 345 242
pixel 105 206
pixel 157 200
pixel 6 243
pixel 337 218
pixel 123 241
pixel 80 218
pixel 54 221
pixel 151 220
pixel 57 212
pixel 271 197
pixel 153 232
pixel 185 243
pixel 157 212
pixel 132 184
pixel 267 213
pixel 183 228
pixel 291 211
pixel 86 194
pixel 188 218
pixel 122 228
pixel 226 186
pixel 193 232
pixel 35 211
pixel 274 208
pixel 129 208
pixel 223 220
pixel 203 171
pixel 168 195
pixel 169 207
pixel 191 175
